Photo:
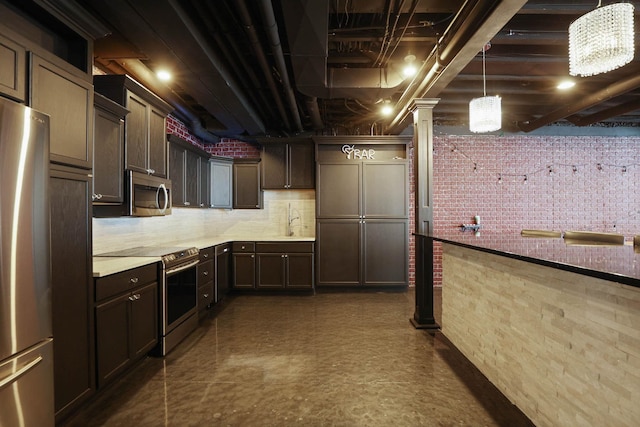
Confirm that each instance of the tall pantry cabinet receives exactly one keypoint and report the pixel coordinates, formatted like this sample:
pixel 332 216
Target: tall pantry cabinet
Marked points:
pixel 49 60
pixel 362 211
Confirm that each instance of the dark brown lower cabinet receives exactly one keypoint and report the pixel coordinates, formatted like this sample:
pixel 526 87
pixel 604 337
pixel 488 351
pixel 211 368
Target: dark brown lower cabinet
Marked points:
pixel 71 290
pixel 385 252
pixel 273 265
pixel 206 278
pixel 222 268
pixel 284 265
pixel 244 271
pixel 339 252
pixel 363 252
pixel 126 320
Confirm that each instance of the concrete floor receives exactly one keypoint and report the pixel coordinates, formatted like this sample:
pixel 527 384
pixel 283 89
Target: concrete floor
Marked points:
pixel 332 359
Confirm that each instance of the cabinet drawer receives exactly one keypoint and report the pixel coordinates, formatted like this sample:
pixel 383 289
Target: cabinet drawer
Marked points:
pixel 205 271
pixel 224 248
pixel 207 253
pixel 205 296
pixel 286 247
pixel 244 247
pixel 124 281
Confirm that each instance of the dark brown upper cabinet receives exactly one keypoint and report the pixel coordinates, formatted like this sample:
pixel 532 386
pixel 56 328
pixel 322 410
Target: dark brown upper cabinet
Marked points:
pixel 145 125
pixel 12 70
pixel 221 182
pixel 247 192
pixel 288 165
pixel 188 171
pixel 108 145
pixel 204 182
pixel 67 97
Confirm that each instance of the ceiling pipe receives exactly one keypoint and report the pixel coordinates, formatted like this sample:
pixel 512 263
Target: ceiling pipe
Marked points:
pixel 600 116
pixel 314 112
pixel 615 89
pixel 276 48
pixel 226 43
pixel 251 33
pixel 475 23
pixel 307 22
pixel 216 61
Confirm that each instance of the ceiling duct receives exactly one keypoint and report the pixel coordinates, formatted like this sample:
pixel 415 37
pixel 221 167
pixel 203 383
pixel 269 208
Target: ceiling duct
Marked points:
pixel 605 114
pixel 307 22
pixel 474 25
pixel 618 88
pixel 271 28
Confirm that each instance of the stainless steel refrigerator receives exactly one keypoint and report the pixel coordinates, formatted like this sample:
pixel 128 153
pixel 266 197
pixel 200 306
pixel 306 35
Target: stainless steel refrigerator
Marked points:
pixel 26 342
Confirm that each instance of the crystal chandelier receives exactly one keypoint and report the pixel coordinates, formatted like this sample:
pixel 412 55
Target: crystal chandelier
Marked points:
pixel 485 113
pixel 601 40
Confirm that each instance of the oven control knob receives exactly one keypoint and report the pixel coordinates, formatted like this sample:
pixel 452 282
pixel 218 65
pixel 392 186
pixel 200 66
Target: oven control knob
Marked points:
pixel 170 257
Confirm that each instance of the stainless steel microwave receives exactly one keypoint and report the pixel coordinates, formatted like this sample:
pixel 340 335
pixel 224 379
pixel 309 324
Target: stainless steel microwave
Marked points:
pixel 148 195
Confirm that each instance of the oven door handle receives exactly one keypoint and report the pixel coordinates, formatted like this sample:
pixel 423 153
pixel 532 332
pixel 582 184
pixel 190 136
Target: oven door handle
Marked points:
pixel 180 268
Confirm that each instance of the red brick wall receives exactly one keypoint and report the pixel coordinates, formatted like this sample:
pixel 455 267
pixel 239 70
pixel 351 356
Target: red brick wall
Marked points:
pixel 177 128
pixel 592 198
pixel 234 148
pixel 226 147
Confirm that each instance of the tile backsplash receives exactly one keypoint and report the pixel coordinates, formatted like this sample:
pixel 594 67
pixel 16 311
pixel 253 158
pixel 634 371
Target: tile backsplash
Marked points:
pixel 111 234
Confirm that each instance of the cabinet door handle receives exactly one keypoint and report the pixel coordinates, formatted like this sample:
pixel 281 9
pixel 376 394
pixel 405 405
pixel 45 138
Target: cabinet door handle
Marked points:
pixel 136 296
pixel 206 255
pixel 132 298
pixel 205 296
pixel 187 203
pixel 206 273
pixel 133 280
pixel 226 249
pixel 252 256
pixel 96 196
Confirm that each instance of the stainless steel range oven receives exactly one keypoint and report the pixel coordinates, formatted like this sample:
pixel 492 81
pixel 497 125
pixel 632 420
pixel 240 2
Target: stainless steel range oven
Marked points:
pixel 178 291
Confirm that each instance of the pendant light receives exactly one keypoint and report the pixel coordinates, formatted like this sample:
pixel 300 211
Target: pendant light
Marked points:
pixel 485 113
pixel 601 40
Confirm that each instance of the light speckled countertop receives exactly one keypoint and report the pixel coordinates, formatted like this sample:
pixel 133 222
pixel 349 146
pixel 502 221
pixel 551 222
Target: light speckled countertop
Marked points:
pixel 106 265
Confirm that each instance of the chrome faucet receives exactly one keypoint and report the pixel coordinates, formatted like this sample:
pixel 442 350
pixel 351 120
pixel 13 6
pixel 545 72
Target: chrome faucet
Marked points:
pixel 291 218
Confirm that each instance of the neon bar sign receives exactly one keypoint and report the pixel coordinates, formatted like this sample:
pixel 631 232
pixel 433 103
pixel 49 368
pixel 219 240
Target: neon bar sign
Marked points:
pixel 356 153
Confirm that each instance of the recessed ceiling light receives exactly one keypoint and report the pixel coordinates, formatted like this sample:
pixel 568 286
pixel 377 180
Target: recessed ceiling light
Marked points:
pixel 409 70
pixel 163 75
pixel 386 109
pixel 566 84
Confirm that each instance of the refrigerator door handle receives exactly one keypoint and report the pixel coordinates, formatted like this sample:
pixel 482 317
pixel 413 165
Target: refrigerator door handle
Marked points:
pixel 23 370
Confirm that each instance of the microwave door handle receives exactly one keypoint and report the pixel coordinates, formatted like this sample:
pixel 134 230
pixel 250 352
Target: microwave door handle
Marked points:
pixel 166 197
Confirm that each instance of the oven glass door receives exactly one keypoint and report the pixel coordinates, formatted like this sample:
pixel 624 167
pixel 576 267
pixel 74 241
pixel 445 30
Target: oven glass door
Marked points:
pixel 180 296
